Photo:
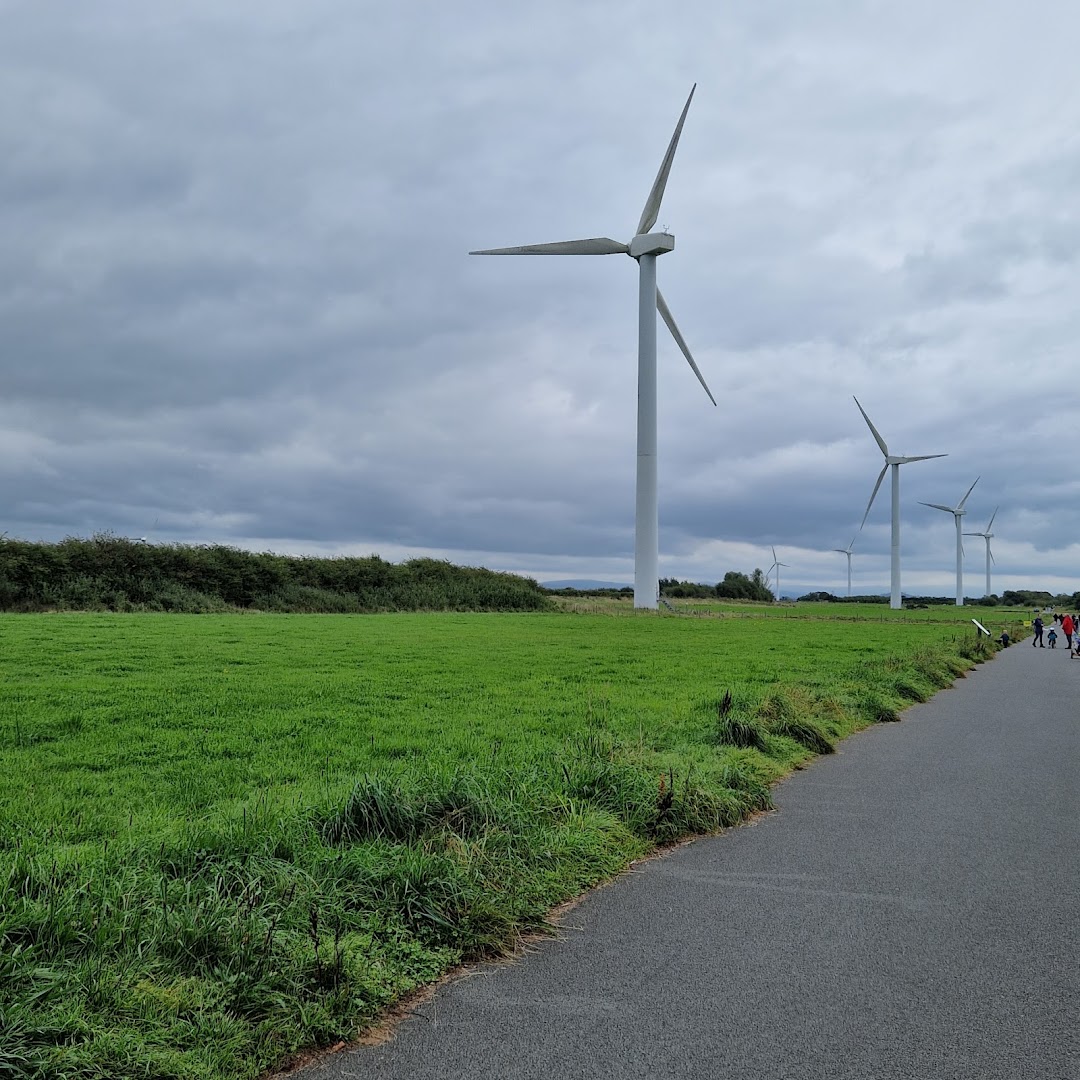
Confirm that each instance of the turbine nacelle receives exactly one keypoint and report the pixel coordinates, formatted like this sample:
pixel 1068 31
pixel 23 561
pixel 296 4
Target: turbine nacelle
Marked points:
pixel 986 532
pixel 848 549
pixel 657 243
pixel 890 459
pixel 958 510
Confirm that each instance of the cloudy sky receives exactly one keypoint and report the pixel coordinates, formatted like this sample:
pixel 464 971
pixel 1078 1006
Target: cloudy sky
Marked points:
pixel 236 304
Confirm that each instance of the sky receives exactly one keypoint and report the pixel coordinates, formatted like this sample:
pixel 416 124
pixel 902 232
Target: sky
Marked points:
pixel 236 304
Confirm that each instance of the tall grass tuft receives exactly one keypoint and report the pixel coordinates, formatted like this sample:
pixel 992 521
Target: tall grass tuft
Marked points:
pixel 380 809
pixel 735 724
pixel 783 717
pixel 876 706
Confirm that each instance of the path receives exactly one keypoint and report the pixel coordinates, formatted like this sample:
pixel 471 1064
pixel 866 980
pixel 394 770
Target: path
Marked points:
pixel 910 911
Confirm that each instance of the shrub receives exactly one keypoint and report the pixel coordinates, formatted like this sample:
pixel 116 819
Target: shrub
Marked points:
pixel 112 573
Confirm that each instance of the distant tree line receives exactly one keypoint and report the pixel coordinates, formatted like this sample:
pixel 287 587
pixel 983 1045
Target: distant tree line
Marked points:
pixel 1009 598
pixel 1033 598
pixel 108 573
pixel 883 598
pixel 735 586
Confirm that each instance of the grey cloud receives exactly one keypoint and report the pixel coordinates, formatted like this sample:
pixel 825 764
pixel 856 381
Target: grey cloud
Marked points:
pixel 235 298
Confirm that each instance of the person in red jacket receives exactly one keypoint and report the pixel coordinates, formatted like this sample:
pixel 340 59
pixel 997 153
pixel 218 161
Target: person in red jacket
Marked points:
pixel 1067 629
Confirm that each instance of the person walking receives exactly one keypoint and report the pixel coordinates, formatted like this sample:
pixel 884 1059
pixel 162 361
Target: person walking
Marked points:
pixel 1067 628
pixel 1037 626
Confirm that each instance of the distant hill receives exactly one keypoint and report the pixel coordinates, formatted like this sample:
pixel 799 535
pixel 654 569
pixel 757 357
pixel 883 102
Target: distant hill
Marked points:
pixel 584 584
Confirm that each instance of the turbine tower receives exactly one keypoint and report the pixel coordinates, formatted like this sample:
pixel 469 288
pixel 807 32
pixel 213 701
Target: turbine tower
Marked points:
pixel 957 512
pixel 776 564
pixel 644 247
pixel 987 535
pixel 847 551
pixel 893 461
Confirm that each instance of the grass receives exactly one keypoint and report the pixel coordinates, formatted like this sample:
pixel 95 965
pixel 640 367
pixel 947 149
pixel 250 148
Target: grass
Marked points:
pixel 223 838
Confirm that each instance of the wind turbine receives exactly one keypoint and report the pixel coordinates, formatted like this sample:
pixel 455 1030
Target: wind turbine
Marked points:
pixel 644 247
pixel 847 551
pixel 987 535
pixel 776 564
pixel 893 461
pixel 957 512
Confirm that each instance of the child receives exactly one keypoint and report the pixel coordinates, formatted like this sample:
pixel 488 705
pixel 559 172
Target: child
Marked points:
pixel 1052 638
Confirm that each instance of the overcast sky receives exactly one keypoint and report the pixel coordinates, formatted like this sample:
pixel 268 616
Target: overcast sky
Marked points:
pixel 236 303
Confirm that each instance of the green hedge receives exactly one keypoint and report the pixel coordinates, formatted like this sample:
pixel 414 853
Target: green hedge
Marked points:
pixel 108 573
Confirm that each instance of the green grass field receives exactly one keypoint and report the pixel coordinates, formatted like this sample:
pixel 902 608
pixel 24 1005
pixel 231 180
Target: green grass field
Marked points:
pixel 223 838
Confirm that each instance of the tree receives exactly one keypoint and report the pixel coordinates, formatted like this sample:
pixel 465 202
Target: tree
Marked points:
pixel 737 586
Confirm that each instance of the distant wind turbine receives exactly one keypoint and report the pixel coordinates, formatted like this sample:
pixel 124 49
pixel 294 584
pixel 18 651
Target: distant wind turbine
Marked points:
pixel 987 535
pixel 644 247
pixel 957 512
pixel 776 564
pixel 893 461
pixel 847 551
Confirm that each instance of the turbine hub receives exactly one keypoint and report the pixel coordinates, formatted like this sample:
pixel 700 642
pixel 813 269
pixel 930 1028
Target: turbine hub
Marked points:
pixel 651 244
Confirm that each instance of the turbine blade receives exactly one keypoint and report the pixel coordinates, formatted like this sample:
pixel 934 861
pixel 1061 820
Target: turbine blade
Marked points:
pixel 597 245
pixel 938 506
pixel 873 494
pixel 652 203
pixel 960 505
pixel 917 457
pixel 853 539
pixel 840 551
pixel 774 559
pixel 665 314
pixel 992 559
pixel 992 516
pixel 873 431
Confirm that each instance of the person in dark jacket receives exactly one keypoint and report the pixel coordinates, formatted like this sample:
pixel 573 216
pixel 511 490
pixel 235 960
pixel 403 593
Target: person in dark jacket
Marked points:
pixel 1037 626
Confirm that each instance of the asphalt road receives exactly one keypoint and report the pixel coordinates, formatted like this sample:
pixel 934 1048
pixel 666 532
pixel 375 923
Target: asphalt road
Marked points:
pixel 911 910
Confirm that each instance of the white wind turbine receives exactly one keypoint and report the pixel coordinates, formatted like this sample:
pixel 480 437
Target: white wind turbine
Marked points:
pixel 847 551
pixel 893 461
pixel 957 512
pixel 776 564
pixel 987 535
pixel 644 247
